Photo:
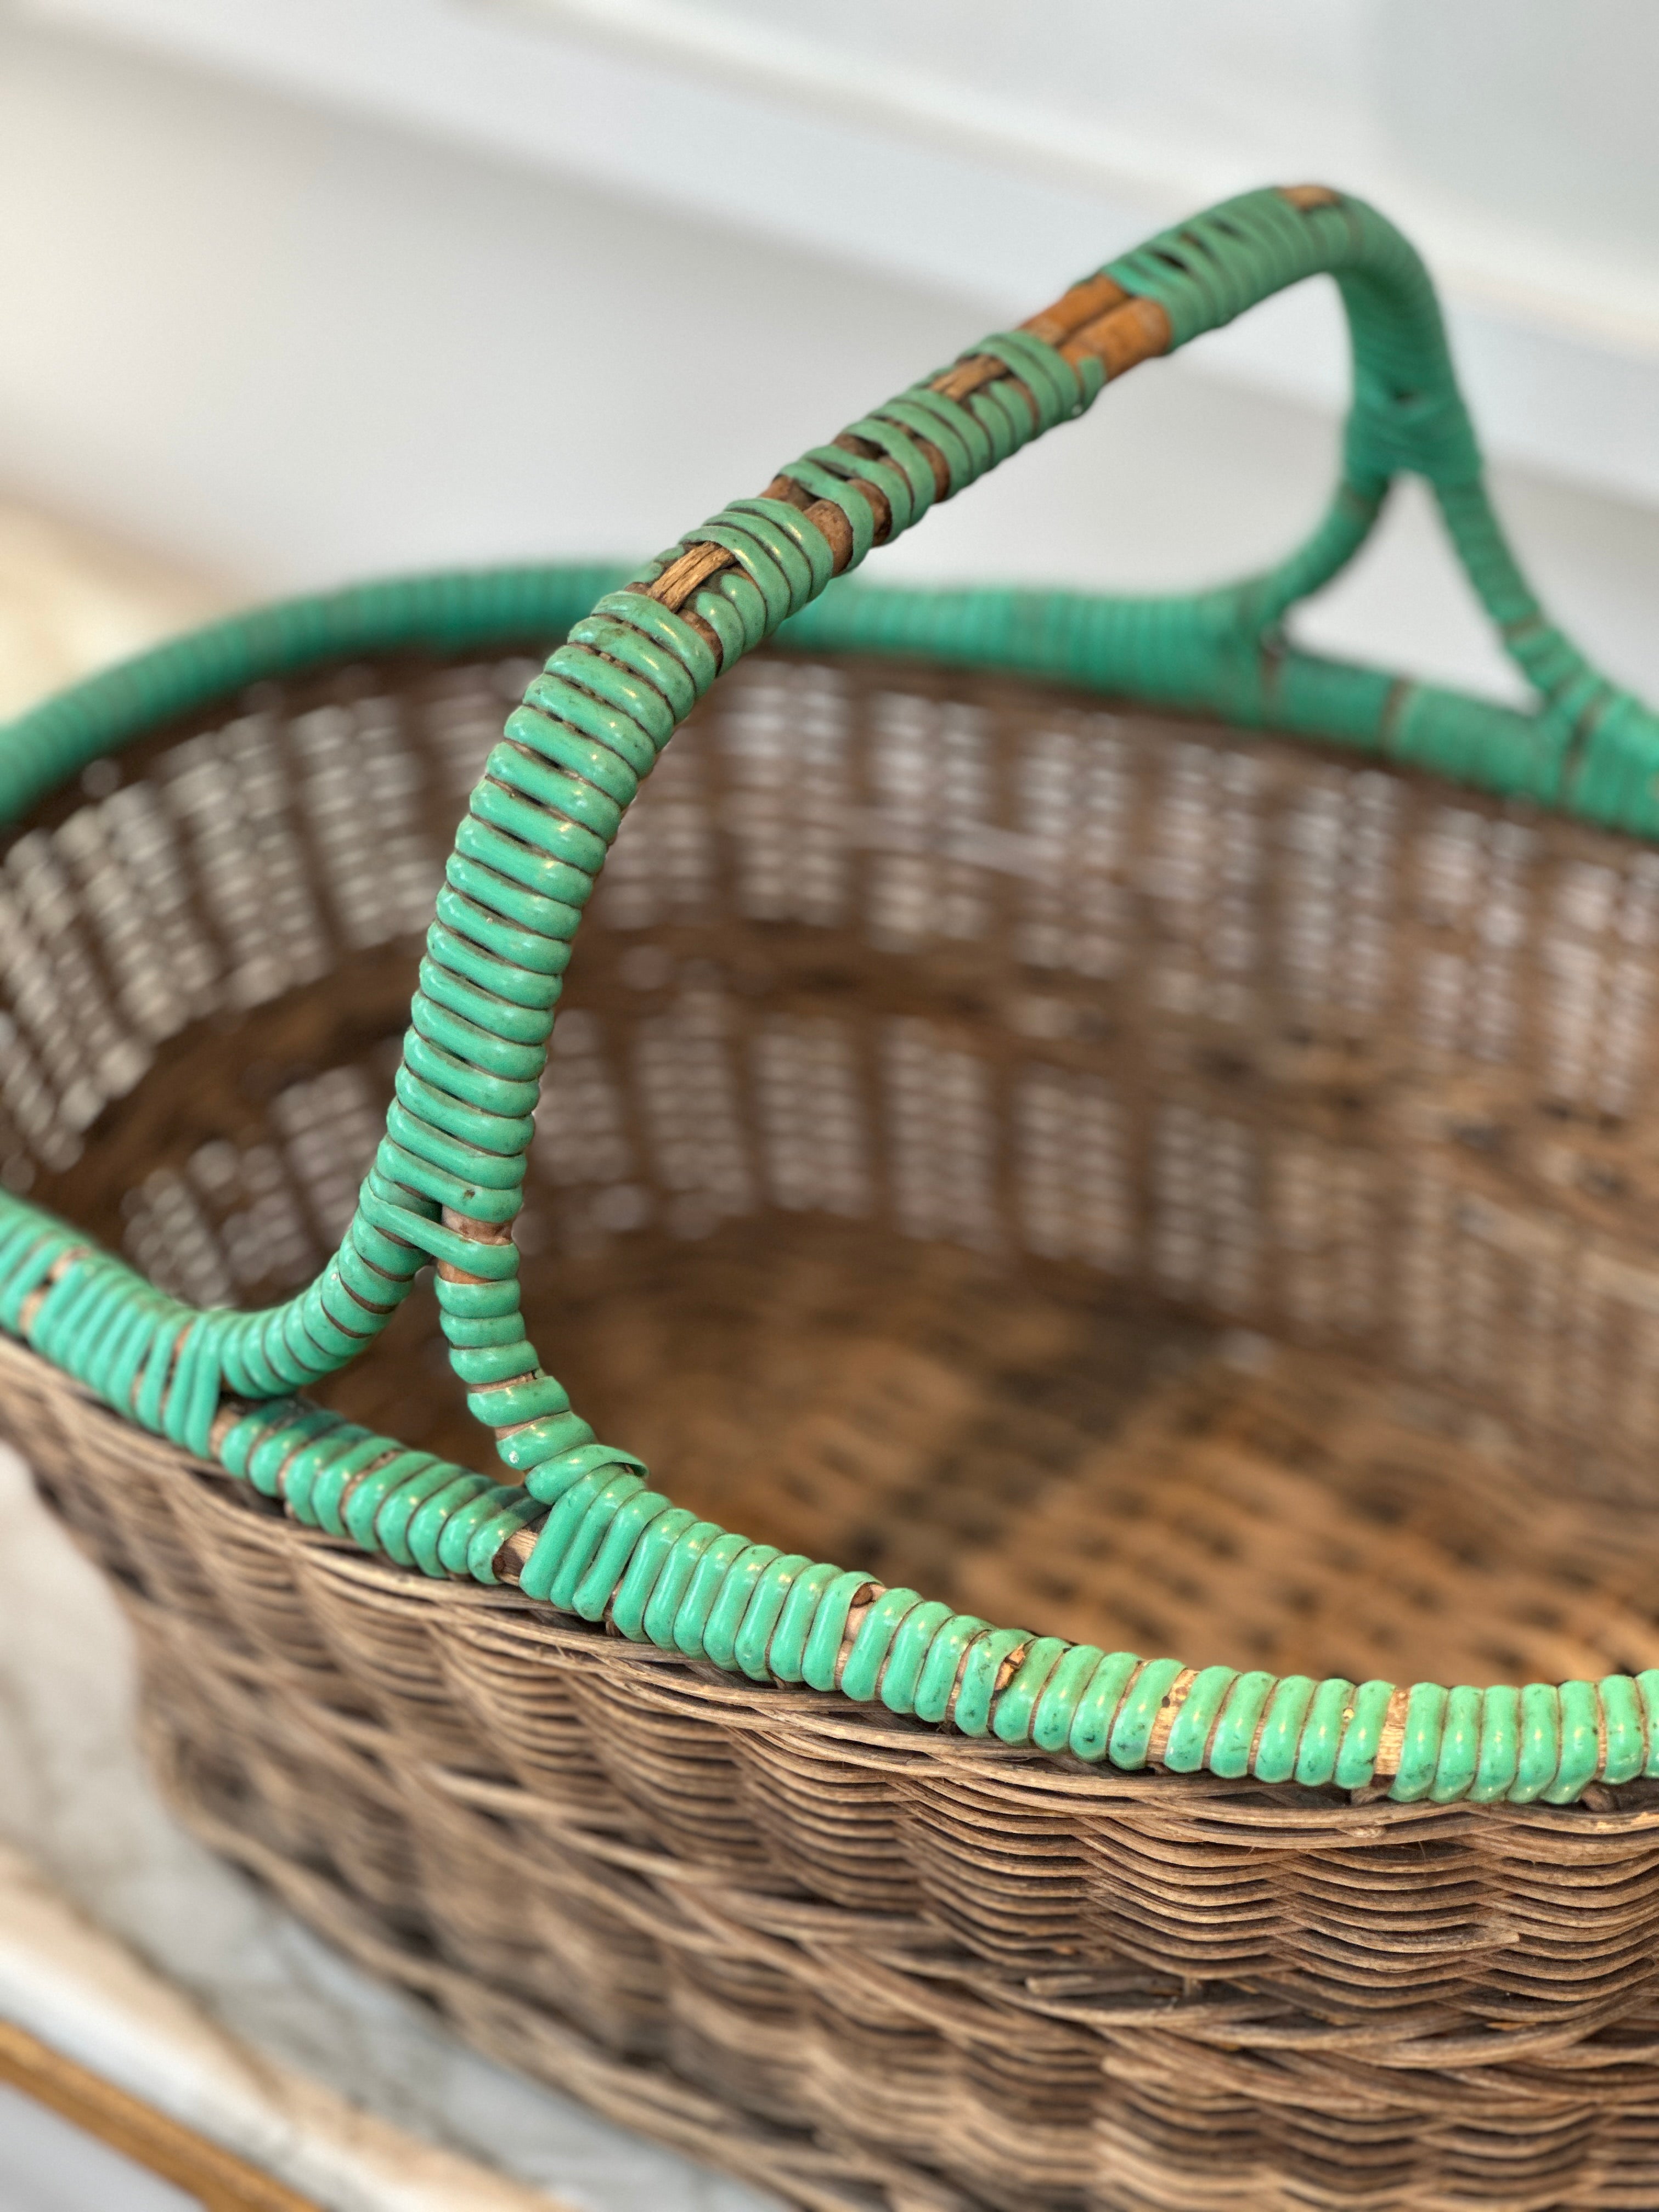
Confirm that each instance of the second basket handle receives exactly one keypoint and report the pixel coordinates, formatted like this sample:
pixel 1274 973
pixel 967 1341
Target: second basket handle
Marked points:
pixel 447 1178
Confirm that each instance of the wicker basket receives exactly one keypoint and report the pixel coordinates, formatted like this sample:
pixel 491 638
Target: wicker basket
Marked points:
pixel 1094 1168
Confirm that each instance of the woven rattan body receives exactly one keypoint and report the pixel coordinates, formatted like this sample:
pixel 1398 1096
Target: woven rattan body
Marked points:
pixel 1083 1164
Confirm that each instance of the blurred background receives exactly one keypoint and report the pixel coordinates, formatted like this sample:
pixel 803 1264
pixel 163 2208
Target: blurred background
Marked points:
pixel 297 290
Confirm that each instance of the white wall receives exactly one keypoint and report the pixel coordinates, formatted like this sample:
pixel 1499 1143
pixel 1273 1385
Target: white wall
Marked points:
pixel 991 150
pixel 286 341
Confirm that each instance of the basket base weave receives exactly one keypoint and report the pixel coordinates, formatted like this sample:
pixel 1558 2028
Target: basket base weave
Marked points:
pixel 1097 1465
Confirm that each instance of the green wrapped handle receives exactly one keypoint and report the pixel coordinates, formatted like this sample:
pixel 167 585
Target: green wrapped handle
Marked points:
pixel 447 1179
pixel 584 1531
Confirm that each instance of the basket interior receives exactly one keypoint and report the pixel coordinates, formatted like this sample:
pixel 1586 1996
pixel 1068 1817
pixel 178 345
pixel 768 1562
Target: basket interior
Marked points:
pixel 1129 1179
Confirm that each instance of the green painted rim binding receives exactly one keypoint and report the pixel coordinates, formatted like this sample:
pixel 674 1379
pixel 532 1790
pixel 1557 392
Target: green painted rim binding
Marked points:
pixel 592 1537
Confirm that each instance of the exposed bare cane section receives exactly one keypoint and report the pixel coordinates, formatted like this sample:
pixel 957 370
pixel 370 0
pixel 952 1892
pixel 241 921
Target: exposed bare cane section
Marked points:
pixel 1095 319
pixel 1311 195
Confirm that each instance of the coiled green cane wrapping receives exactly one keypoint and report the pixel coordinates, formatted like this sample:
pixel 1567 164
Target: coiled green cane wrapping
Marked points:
pixel 588 1532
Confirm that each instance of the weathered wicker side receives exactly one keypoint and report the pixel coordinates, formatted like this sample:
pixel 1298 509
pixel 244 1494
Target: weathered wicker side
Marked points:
pixel 839 1954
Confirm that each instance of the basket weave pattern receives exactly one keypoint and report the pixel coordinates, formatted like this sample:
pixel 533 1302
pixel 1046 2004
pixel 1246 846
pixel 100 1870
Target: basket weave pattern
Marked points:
pixel 1044 1987
pixel 598 1859
pixel 1089 1169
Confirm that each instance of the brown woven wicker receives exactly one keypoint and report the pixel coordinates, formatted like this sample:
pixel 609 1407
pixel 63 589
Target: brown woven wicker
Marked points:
pixel 834 1951
pixel 1181 1189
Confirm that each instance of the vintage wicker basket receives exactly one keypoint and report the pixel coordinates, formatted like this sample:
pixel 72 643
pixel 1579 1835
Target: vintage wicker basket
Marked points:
pixel 1087 1166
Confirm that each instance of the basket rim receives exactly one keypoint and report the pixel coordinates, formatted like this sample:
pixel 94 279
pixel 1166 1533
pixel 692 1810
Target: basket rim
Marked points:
pixel 862 1730
pixel 261 1446
pixel 584 1532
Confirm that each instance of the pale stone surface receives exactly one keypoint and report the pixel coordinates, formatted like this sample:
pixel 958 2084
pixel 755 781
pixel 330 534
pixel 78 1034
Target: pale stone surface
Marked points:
pixel 85 1993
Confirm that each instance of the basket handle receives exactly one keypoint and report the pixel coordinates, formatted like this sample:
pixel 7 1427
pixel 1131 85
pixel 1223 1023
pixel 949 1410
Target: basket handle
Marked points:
pixel 447 1179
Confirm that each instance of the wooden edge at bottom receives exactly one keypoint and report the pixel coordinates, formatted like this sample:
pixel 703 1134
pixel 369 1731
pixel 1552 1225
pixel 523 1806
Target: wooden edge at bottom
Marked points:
pixel 221 2181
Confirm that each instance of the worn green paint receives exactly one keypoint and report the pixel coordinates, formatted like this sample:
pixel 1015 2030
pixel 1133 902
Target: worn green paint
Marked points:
pixel 524 865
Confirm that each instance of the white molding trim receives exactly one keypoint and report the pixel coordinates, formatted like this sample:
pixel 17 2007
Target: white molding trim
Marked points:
pixel 932 180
